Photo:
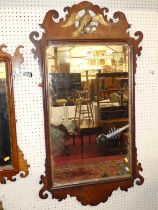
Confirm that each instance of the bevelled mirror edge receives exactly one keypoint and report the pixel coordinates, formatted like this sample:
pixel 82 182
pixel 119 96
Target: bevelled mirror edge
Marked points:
pixel 69 30
pixel 12 159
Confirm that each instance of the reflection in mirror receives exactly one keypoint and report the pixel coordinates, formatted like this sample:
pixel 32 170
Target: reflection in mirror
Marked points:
pixel 89 112
pixel 5 143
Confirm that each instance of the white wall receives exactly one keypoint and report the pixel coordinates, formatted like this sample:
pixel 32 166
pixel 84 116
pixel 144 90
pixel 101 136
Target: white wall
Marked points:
pixel 17 20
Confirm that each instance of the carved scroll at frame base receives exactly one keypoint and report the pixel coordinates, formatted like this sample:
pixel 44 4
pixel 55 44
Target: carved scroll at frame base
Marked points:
pixel 23 165
pixel 140 180
pixel 23 170
pixel 42 193
pixel 91 194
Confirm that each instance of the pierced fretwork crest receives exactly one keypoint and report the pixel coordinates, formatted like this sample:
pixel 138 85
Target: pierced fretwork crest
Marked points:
pixel 85 22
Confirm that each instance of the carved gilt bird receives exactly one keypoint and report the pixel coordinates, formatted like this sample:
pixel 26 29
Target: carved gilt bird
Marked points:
pixel 85 22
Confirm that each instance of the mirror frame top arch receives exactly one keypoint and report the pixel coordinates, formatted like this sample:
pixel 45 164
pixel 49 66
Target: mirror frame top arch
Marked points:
pixel 111 30
pixel 19 164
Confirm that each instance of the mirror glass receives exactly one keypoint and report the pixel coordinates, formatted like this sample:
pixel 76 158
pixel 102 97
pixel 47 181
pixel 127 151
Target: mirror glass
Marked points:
pixel 89 111
pixel 5 143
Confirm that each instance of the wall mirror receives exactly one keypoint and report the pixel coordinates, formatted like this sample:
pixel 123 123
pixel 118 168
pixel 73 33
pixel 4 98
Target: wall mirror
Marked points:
pixel 88 63
pixel 11 158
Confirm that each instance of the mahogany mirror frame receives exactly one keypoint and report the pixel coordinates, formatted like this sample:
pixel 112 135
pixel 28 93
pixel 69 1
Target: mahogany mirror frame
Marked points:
pixel 113 30
pixel 19 164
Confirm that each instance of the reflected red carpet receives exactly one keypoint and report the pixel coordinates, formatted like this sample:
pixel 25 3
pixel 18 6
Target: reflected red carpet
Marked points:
pixel 93 170
pixel 73 155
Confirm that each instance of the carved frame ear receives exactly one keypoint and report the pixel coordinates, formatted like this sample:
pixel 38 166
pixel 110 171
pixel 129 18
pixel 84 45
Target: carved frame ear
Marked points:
pixel 112 30
pixel 19 164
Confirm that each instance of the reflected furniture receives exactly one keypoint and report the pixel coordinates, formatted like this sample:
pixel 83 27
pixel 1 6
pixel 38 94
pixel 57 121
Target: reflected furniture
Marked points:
pixel 87 127
pixel 115 107
pixel 84 106
pixel 64 86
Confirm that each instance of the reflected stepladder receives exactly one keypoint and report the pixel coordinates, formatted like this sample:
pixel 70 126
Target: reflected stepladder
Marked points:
pixel 89 112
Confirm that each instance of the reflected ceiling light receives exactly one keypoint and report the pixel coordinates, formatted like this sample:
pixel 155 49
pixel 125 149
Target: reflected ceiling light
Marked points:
pixel 110 51
pixel 67 53
pixel 67 60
